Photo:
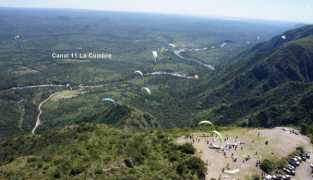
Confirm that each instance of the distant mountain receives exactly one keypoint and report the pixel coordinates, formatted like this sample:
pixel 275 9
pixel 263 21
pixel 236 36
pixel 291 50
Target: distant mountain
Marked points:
pixel 270 84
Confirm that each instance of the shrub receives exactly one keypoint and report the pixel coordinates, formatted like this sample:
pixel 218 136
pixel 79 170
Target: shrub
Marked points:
pixel 75 171
pixel 267 166
pixel 187 148
pixel 56 175
pixel 307 130
pixel 270 166
pixel 256 177
pixel 197 166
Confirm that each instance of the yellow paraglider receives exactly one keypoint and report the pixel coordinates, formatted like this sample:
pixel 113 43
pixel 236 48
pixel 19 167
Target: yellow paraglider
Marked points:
pixel 206 122
pixel 219 135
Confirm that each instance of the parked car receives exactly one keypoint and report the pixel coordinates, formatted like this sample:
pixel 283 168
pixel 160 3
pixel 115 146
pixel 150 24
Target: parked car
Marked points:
pixel 289 172
pixel 267 177
pixel 303 157
pixel 294 162
pixel 298 158
pixel 288 177
pixel 291 167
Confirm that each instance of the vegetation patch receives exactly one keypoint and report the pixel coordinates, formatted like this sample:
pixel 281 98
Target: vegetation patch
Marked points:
pixel 99 152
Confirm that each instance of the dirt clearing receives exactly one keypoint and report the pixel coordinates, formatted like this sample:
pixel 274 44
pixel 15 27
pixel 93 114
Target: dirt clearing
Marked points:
pixel 252 145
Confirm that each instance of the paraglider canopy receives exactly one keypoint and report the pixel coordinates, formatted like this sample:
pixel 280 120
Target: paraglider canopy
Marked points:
pixel 172 45
pixel 233 171
pixel 109 100
pixel 147 90
pixel 284 37
pixel 206 122
pixel 219 135
pixel 139 73
pixel 223 44
pixel 155 55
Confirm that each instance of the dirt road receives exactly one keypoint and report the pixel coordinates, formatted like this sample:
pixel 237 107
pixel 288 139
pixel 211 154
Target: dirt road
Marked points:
pixel 178 54
pixel 38 121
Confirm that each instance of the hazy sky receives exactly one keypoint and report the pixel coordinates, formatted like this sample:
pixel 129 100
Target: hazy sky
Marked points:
pixel 291 10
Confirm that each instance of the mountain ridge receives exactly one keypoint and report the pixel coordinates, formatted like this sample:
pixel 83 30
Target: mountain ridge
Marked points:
pixel 281 62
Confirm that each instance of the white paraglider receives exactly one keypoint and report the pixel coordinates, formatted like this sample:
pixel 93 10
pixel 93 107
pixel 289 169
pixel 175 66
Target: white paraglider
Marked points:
pixel 155 55
pixel 223 44
pixel 284 37
pixel 109 100
pixel 172 45
pixel 147 90
pixel 139 73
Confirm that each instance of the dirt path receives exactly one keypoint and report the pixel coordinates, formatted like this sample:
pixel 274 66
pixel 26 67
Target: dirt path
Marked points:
pixel 281 143
pixel 178 54
pixel 38 121
pixel 59 95
pixel 174 74
pixel 36 86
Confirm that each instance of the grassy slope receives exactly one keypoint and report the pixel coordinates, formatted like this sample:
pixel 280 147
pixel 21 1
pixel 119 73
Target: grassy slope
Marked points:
pixel 97 152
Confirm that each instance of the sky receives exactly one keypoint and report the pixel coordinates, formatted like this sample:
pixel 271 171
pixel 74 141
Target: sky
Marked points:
pixel 284 10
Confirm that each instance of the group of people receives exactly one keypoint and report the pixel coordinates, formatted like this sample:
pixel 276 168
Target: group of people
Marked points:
pixel 232 145
pixel 229 148
pixel 193 139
